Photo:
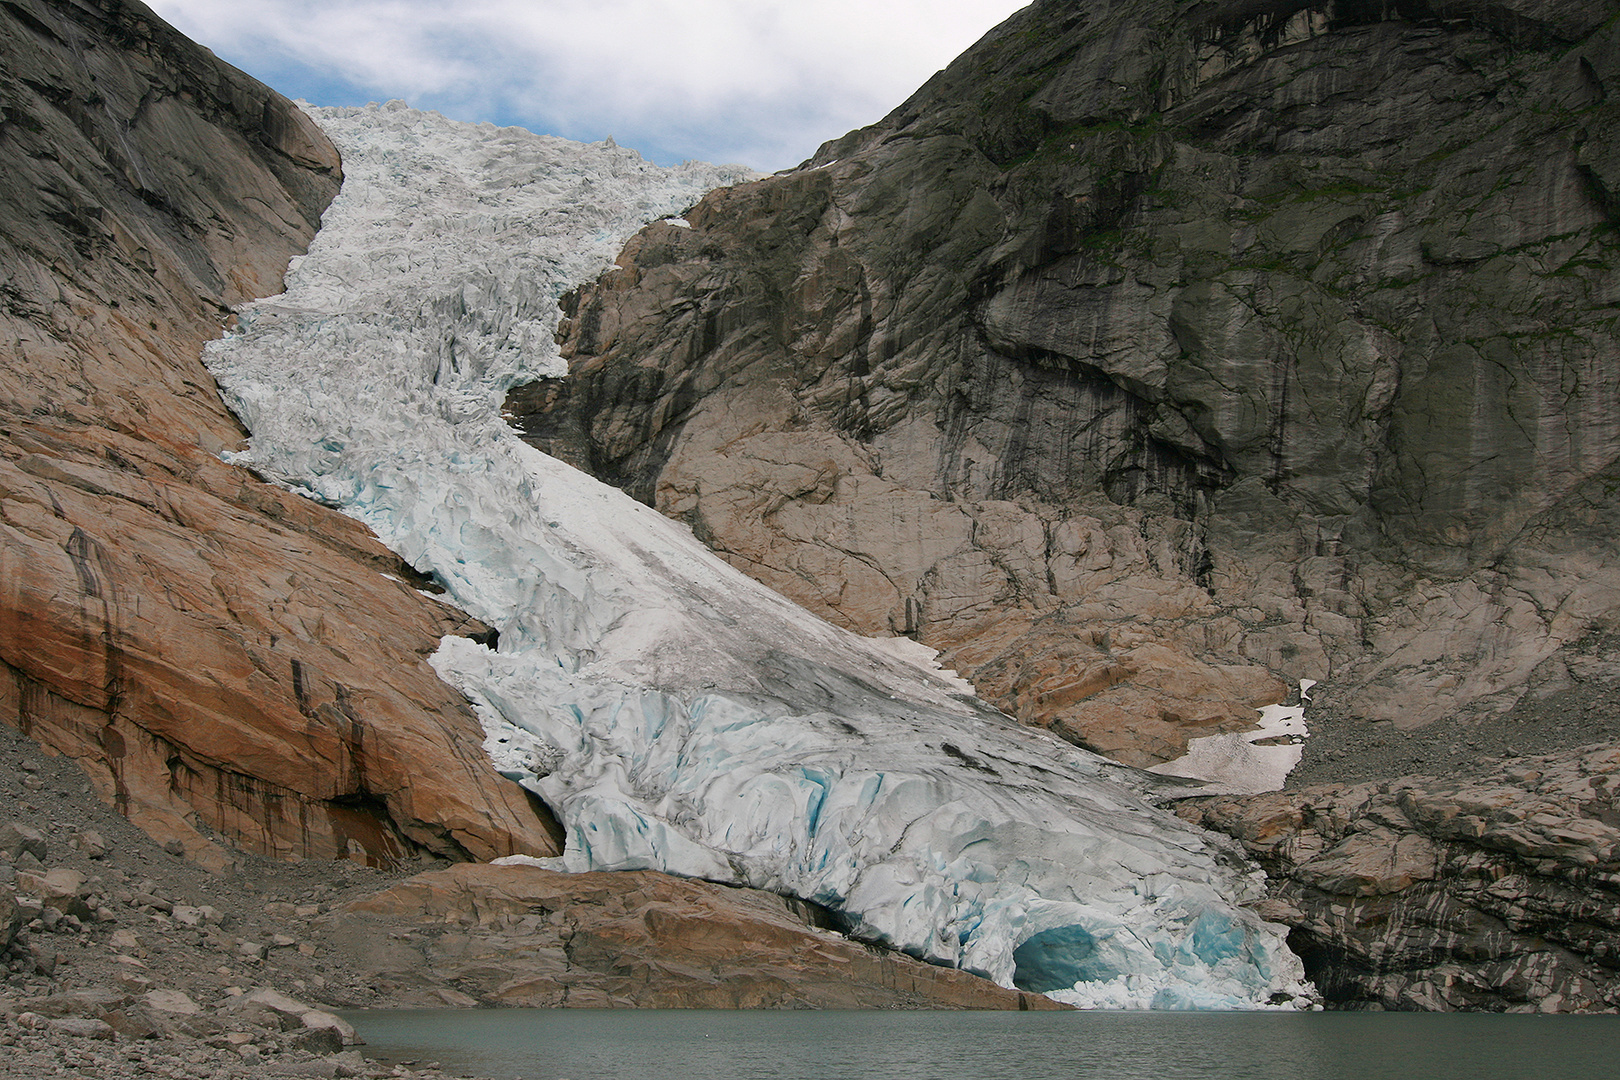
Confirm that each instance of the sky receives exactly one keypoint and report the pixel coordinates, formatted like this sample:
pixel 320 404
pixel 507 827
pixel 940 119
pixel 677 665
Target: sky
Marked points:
pixel 754 82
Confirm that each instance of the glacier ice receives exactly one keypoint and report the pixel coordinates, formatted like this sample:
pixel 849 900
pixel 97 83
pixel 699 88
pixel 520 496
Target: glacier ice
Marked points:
pixel 675 714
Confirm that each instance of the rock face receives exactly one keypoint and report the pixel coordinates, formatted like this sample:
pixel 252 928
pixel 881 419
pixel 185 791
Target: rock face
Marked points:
pixel 1497 892
pixel 519 935
pixel 1153 356
pixel 214 651
pixel 163 932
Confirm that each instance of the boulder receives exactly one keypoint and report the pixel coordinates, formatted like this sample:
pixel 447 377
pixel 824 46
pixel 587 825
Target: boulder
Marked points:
pixel 176 1002
pixel 61 889
pixel 16 838
pixel 271 1008
pixel 84 1027
pixel 92 1002
pixel 11 917
pixel 318 1020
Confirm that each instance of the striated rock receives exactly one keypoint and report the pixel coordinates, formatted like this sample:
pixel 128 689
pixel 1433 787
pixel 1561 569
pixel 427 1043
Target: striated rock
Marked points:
pixel 519 935
pixel 1144 362
pixel 215 652
pixel 1500 892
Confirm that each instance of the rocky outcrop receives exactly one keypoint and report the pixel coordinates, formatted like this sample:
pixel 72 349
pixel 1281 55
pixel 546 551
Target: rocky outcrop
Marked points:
pixel 214 651
pixel 1496 892
pixel 1155 355
pixel 520 935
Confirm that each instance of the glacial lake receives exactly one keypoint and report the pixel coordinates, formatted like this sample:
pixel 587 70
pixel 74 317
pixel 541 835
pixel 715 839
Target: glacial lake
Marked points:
pixel 679 1044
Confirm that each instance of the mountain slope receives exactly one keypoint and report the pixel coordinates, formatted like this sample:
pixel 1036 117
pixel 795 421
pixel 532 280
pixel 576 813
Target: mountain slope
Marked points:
pixel 1154 356
pixel 216 652
pixel 232 663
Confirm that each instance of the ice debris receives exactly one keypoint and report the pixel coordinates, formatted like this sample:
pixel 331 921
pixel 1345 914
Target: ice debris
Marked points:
pixel 675 714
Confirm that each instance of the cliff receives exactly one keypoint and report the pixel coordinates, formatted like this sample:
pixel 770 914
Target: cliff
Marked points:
pixel 1151 357
pixel 1146 359
pixel 236 667
pixel 217 653
pixel 1154 356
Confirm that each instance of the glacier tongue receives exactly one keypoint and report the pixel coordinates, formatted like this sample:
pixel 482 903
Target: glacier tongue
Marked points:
pixel 676 715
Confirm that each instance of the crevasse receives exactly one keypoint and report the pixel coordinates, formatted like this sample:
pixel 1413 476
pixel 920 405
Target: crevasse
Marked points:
pixel 675 714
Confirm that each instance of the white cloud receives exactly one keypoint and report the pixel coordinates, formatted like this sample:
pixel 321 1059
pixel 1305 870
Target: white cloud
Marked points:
pixel 761 81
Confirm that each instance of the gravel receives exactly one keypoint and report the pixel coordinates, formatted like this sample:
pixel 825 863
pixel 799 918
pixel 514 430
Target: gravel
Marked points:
pixel 1572 700
pixel 158 974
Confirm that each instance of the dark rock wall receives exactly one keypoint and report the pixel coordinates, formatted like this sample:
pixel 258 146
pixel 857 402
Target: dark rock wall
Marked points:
pixel 1496 892
pixel 215 652
pixel 1155 355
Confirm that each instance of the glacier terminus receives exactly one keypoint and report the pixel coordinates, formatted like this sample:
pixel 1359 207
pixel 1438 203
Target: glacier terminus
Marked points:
pixel 674 714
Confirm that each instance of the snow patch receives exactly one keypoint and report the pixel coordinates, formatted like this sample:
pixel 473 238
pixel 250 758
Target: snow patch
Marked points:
pixel 1233 764
pixel 529 860
pixel 921 656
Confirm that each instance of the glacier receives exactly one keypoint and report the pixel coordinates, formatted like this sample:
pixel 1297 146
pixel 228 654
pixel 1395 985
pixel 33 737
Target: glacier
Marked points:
pixel 673 713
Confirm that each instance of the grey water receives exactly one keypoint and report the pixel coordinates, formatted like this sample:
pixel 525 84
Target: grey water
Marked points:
pixel 691 1044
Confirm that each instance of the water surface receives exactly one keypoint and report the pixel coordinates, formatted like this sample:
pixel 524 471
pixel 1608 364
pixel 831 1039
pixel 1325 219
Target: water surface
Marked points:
pixel 681 1044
